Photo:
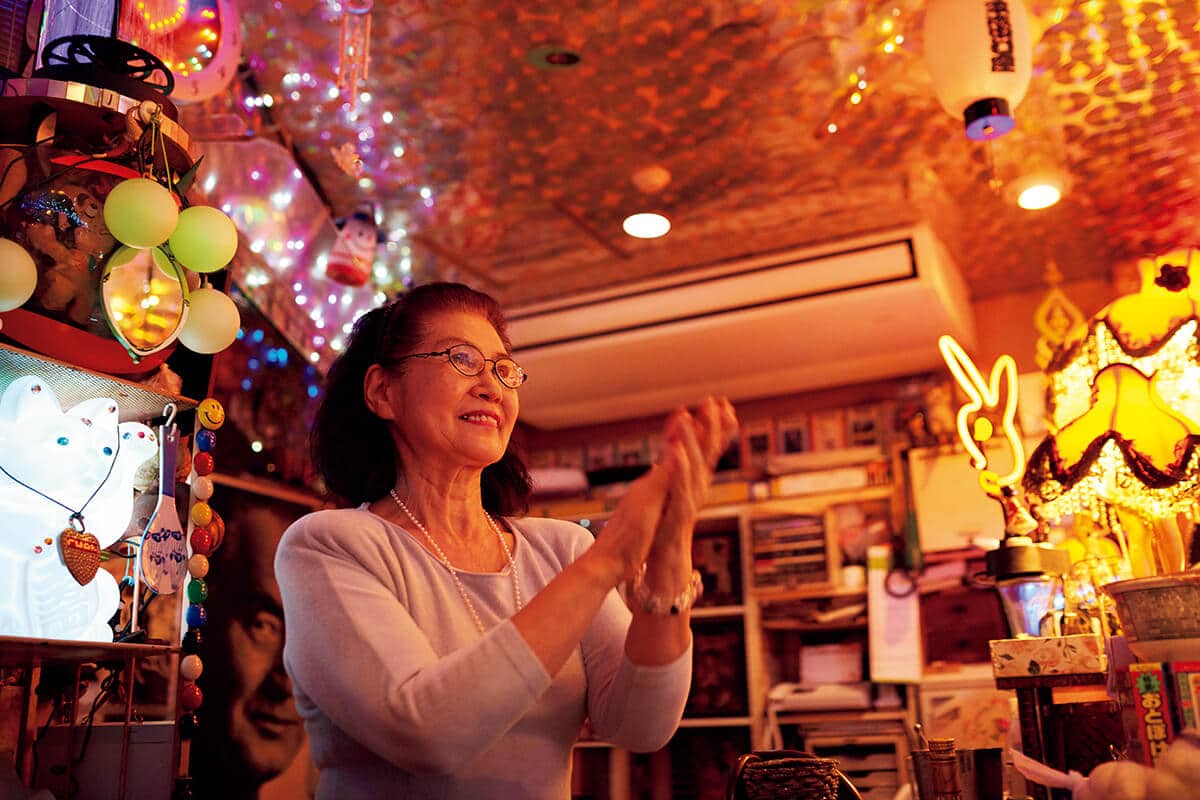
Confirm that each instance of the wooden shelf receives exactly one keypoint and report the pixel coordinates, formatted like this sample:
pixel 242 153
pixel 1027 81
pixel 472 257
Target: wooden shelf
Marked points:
pixel 714 722
pixel 717 612
pixel 72 385
pixel 18 651
pixel 724 503
pixel 827 717
pixel 809 593
pixel 803 626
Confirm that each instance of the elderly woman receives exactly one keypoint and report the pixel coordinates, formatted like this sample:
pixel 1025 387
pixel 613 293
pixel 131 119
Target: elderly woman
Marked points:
pixel 440 645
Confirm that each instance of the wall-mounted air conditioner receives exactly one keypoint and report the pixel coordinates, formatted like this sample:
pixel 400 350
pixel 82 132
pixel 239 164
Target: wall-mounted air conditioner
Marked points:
pixel 769 325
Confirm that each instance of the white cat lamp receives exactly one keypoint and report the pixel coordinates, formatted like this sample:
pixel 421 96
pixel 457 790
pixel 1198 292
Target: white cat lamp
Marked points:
pixel 66 492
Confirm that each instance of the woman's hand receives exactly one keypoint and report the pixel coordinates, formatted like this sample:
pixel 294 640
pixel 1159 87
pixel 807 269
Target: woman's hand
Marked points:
pixel 625 541
pixel 696 441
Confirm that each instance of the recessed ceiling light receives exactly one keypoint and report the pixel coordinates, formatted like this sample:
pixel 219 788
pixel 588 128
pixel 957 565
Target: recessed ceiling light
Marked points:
pixel 553 56
pixel 1040 195
pixel 646 225
pixel 1039 189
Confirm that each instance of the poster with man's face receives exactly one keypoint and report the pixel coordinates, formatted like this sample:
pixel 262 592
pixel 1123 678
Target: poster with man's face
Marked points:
pixel 250 734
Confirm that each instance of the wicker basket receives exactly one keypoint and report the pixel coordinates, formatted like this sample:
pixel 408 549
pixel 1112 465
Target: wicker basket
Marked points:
pixel 785 775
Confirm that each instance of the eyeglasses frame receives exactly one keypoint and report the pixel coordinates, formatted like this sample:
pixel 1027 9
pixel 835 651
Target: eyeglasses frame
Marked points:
pixel 494 362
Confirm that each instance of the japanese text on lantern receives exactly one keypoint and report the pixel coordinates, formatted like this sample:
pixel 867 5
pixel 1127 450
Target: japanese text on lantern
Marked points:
pixel 1001 35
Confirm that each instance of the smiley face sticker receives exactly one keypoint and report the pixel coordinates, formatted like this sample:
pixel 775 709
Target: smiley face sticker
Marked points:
pixel 211 414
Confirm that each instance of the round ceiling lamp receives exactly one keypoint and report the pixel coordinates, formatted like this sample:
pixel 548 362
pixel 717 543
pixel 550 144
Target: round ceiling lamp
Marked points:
pixel 553 56
pixel 1038 190
pixel 646 225
pixel 980 57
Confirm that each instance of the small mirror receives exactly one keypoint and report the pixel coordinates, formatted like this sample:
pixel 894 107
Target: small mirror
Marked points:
pixel 145 299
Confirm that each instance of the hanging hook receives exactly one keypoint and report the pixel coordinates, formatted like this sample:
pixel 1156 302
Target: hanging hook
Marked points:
pixel 169 413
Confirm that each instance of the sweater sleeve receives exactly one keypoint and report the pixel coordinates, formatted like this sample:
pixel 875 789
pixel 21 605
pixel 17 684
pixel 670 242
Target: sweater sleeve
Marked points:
pixel 353 649
pixel 634 707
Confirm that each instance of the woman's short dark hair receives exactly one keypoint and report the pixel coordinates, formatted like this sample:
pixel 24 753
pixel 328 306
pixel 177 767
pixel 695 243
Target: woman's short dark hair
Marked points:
pixel 352 447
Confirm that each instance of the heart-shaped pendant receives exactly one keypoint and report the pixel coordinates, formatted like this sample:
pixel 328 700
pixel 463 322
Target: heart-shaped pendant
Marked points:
pixel 80 551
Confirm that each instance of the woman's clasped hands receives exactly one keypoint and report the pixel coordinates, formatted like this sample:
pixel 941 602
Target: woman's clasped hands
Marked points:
pixel 653 524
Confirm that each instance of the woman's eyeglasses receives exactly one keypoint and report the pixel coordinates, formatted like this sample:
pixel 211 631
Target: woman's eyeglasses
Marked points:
pixel 467 359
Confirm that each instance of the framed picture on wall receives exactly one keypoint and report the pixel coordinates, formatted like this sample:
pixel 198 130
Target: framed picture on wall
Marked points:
pixel 795 434
pixel 864 426
pixel 756 446
pixel 828 429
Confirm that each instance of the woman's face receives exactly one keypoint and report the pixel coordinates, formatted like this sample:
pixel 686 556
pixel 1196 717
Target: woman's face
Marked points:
pixel 439 412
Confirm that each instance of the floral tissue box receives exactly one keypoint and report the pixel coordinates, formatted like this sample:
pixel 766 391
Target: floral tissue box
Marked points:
pixel 1047 655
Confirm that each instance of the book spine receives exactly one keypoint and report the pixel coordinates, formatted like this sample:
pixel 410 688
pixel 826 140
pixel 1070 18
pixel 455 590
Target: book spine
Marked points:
pixel 1185 681
pixel 1152 706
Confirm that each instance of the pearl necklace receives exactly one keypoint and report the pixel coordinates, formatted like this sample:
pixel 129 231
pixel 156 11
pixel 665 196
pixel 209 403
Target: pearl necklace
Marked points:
pixel 462 590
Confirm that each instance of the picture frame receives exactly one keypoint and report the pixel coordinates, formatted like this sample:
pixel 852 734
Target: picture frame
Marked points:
pixel 756 447
pixel 828 429
pixel 795 434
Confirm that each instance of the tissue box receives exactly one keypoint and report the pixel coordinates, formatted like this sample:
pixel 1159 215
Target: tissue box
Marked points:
pixel 1047 655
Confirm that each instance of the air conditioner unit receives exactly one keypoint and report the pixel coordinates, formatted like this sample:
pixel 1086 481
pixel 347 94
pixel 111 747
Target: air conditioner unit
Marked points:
pixel 768 325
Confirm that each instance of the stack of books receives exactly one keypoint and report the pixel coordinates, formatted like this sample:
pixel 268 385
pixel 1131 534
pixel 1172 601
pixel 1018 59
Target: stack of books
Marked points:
pixel 789 552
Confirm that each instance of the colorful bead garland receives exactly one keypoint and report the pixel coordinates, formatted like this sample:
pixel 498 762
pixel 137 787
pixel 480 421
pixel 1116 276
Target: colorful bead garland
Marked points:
pixel 207 530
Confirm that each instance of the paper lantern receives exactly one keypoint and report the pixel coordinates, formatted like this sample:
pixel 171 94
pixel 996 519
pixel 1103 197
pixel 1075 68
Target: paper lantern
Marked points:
pixel 140 212
pixel 212 322
pixel 18 275
pixel 204 240
pixel 980 57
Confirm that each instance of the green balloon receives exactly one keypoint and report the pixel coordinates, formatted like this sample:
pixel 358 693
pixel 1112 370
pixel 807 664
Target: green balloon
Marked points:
pixel 197 591
pixel 204 240
pixel 140 212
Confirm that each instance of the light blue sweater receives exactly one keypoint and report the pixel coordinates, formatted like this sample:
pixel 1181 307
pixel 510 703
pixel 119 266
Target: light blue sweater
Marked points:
pixel 401 696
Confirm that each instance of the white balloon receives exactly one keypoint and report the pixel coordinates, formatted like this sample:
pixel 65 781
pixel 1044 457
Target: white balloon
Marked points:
pixel 18 275
pixel 212 322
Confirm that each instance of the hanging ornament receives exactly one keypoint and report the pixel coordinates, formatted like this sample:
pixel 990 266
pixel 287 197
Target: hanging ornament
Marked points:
pixel 18 275
pixel 353 254
pixel 348 160
pixel 140 212
pixel 210 414
pixel 354 47
pixel 163 551
pixel 204 240
pixel 980 58
pixel 212 322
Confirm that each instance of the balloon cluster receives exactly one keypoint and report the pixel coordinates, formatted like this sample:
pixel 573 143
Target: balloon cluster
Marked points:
pixel 207 533
pixel 142 214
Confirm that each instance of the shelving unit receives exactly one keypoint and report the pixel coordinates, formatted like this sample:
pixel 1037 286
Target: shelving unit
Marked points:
pixel 736 509
pixel 24 660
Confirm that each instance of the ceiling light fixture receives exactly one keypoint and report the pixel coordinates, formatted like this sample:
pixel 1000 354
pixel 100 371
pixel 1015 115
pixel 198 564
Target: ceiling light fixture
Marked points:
pixel 646 225
pixel 1037 190
pixel 553 56
pixel 1038 196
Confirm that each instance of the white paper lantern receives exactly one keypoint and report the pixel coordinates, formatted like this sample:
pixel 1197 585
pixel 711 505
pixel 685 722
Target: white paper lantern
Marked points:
pixel 980 57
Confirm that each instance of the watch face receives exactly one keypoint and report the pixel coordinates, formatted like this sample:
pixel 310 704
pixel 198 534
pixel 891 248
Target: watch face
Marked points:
pixel 200 41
